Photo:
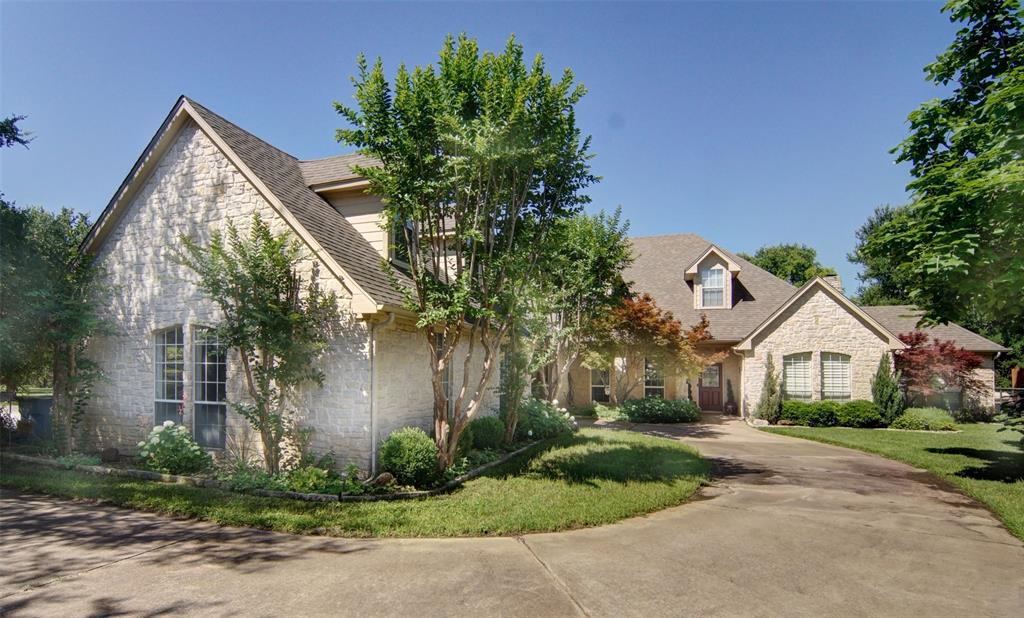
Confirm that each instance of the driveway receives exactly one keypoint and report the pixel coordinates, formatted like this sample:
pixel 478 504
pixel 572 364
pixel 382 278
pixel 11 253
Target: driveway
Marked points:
pixel 790 528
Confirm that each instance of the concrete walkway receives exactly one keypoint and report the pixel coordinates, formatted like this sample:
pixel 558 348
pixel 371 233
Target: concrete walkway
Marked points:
pixel 791 528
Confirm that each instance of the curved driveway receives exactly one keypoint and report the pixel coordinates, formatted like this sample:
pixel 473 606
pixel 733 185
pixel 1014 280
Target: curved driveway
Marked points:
pixel 790 528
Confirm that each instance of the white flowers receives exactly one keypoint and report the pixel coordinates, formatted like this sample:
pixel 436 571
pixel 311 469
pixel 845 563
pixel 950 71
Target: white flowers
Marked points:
pixel 530 433
pixel 158 429
pixel 168 423
pixel 141 444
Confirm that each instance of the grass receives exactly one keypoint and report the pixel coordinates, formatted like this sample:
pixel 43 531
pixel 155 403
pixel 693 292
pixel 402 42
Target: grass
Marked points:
pixel 591 478
pixel 985 460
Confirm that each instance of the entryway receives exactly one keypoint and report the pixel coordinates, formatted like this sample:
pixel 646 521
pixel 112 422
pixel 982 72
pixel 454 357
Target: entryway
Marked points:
pixel 710 389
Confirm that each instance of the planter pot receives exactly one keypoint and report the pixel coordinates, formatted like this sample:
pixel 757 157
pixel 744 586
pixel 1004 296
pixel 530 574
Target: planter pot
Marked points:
pixel 730 407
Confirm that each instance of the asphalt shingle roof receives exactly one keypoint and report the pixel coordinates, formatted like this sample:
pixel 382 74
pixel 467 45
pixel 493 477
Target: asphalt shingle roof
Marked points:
pixel 283 175
pixel 902 319
pixel 659 270
pixel 334 169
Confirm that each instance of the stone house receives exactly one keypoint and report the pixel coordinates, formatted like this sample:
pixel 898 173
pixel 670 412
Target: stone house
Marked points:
pixel 823 345
pixel 199 172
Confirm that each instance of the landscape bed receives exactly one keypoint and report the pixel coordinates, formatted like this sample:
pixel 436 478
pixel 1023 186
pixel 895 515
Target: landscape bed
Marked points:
pixel 589 478
pixel 984 460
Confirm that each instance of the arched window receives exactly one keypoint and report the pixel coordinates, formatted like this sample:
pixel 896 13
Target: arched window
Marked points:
pixel 796 376
pixel 835 376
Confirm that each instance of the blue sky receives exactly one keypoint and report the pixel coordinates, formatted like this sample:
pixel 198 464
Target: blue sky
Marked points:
pixel 747 123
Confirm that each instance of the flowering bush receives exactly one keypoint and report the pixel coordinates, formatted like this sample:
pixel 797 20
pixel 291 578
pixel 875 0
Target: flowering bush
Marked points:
pixel 540 419
pixel 171 450
pixel 658 410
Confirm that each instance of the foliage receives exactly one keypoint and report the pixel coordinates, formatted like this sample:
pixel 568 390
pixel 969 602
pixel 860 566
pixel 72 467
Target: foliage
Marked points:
pixel 48 308
pixel 78 459
pixel 277 321
pixel 411 456
pixel 564 304
pixel 479 157
pixel 488 432
pixel 885 390
pixel 859 413
pixel 927 368
pixel 769 407
pixel 856 413
pixel 924 419
pixel 170 449
pixel 883 282
pixel 638 331
pixel 983 461
pixel 242 475
pixel 794 263
pixel 540 419
pixel 962 241
pixel 658 410
pixel 314 480
pixel 591 478
pixel 11 133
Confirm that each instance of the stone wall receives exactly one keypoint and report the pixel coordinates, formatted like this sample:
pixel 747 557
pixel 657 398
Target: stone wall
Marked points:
pixel 817 323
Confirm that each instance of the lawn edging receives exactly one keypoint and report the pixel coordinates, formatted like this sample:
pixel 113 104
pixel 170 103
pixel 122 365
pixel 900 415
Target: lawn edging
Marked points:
pixel 196 481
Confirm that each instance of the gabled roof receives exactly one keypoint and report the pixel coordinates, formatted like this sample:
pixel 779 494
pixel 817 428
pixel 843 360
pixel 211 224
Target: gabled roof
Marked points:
pixel 691 270
pixel 279 177
pixel 659 270
pixel 334 170
pixel 902 319
pixel 806 290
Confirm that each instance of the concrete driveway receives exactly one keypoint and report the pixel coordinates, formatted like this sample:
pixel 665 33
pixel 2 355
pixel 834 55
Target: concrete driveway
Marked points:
pixel 790 528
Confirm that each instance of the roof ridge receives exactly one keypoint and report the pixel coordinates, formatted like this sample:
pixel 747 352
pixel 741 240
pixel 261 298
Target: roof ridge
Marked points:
pixel 336 156
pixel 249 133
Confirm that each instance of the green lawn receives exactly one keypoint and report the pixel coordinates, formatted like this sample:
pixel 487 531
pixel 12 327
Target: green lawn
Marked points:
pixel 984 462
pixel 591 478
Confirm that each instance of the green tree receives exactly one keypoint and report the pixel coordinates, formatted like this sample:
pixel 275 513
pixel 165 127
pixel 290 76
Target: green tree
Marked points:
pixel 11 133
pixel 885 390
pixel 794 263
pixel 962 243
pixel 883 283
pixel 769 407
pixel 277 321
pixel 479 156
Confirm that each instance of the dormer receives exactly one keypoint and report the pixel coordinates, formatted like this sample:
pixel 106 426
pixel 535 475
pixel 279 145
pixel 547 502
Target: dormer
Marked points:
pixel 712 277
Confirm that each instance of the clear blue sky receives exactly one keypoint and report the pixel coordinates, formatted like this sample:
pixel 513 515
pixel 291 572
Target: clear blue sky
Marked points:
pixel 747 123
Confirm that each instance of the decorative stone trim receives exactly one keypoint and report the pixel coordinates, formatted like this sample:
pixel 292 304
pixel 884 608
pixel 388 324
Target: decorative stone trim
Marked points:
pixel 195 481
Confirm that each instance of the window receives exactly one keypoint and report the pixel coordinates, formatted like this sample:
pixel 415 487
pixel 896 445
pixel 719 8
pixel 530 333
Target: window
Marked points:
pixel 712 287
pixel 170 380
pixel 796 376
pixel 209 389
pixel 600 386
pixel 711 377
pixel 835 376
pixel 654 380
pixel 399 244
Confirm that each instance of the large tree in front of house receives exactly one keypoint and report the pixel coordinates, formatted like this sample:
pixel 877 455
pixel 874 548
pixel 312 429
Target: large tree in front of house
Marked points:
pixel 882 282
pixel 929 366
pixel 480 156
pixel 962 241
pixel 794 263
pixel 277 320
pixel 636 333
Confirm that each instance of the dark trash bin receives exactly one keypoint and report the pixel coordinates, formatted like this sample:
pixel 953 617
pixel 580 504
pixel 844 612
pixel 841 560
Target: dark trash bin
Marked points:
pixel 37 408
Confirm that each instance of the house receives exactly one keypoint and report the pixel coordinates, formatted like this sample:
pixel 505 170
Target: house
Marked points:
pixel 199 172
pixel 823 345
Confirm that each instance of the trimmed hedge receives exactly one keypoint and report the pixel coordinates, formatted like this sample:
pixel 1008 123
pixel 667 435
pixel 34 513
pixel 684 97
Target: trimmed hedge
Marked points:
pixel 658 410
pixel 488 432
pixel 411 455
pixel 857 413
pixel 924 419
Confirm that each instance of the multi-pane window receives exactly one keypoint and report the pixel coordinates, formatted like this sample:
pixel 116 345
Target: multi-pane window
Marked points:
pixel 711 377
pixel 654 380
pixel 209 383
pixel 170 378
pixel 835 376
pixel 600 386
pixel 712 287
pixel 796 376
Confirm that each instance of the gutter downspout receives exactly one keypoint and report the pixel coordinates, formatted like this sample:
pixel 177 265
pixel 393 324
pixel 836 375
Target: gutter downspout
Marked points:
pixel 373 389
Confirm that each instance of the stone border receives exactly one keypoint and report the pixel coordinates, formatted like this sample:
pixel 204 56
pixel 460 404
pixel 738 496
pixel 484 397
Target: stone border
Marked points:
pixel 195 481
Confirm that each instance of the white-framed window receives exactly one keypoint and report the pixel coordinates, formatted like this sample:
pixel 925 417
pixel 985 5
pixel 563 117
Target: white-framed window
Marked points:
pixel 712 287
pixel 170 375
pixel 835 376
pixel 209 386
pixel 600 386
pixel 654 380
pixel 796 376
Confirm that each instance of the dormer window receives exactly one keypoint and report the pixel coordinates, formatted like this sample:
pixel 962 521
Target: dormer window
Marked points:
pixel 399 242
pixel 712 287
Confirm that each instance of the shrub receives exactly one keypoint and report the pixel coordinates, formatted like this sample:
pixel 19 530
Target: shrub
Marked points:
pixel 541 419
pixel 608 413
pixel 769 407
pixel 488 432
pixel 171 450
pixel 313 480
pixel 859 413
pixel 924 419
pixel 658 410
pixel 243 476
pixel 811 413
pixel 411 456
pixel 885 390
pixel 78 459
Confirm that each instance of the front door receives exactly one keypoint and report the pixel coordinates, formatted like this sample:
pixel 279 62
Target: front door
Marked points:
pixel 710 388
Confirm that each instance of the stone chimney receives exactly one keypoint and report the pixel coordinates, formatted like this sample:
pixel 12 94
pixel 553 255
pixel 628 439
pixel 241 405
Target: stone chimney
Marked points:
pixel 835 282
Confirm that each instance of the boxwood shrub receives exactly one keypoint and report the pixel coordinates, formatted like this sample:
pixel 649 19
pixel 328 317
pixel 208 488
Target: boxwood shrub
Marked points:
pixel 658 410
pixel 857 413
pixel 924 419
pixel 488 432
pixel 411 456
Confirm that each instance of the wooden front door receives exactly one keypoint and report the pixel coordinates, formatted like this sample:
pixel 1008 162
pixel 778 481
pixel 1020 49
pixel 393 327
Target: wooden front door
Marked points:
pixel 710 388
